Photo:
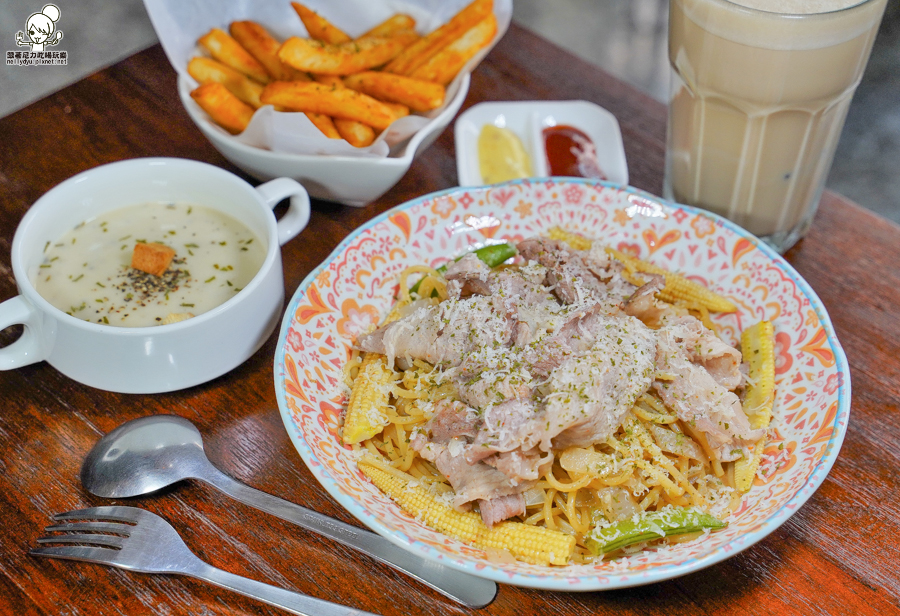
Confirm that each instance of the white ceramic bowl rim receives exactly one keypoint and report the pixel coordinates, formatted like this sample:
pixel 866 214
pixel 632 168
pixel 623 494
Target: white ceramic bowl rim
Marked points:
pixel 618 579
pixel 27 289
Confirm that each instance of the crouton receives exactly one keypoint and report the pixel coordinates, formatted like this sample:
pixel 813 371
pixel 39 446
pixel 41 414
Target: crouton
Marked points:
pixel 176 317
pixel 152 258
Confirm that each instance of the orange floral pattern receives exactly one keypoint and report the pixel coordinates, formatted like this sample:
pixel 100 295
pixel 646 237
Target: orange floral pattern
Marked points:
pixel 356 319
pixel 702 226
pixel 355 288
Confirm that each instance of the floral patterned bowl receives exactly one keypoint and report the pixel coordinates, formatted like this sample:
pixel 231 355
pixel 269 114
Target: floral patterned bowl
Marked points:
pixel 354 287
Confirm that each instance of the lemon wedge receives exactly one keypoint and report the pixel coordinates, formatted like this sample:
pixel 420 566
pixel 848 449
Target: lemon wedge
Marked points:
pixel 501 155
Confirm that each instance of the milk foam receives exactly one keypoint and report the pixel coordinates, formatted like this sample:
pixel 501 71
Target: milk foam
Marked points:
pixel 776 26
pixel 798 7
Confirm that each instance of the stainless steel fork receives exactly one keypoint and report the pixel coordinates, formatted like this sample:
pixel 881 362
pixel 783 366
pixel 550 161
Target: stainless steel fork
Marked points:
pixel 137 540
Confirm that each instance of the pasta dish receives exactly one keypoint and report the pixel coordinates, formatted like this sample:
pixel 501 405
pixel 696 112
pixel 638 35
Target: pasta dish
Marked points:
pixel 559 401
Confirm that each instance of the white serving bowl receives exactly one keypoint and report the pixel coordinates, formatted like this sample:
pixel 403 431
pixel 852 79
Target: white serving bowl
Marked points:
pixel 350 180
pixel 330 169
pixel 163 357
pixel 528 119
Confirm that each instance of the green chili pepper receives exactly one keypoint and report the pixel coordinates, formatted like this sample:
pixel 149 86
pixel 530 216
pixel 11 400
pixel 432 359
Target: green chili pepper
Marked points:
pixel 652 525
pixel 492 255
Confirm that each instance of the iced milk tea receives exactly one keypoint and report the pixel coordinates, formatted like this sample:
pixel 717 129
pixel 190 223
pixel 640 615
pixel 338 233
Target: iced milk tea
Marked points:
pixel 760 92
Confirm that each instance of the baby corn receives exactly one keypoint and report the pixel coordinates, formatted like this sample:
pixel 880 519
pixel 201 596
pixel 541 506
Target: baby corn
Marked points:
pixel 576 241
pixel 678 288
pixel 758 349
pixel 531 544
pixel 365 415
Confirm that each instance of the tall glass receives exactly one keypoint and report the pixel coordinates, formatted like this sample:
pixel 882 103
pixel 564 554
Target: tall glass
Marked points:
pixel 760 90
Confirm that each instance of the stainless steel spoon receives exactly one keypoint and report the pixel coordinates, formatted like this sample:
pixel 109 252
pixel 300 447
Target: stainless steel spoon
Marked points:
pixel 150 453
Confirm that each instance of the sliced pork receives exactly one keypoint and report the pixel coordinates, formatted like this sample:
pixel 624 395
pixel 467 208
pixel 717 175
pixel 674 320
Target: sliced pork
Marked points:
pixel 501 508
pixel 705 348
pixel 596 374
pixel 444 442
pixel 445 334
pixel 453 419
pixel 699 369
pixel 523 465
pixel 522 286
pixel 567 274
pixel 509 426
pixel 491 387
pixel 471 276
pixel 644 305
pixel 471 482
pixel 591 392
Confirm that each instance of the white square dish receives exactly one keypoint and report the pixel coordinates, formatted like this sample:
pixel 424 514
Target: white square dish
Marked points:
pixel 528 119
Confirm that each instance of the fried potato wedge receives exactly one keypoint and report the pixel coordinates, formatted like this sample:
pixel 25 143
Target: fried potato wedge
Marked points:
pixel 228 51
pixel 392 25
pixel 226 109
pixel 329 100
pixel 416 94
pixel 325 124
pixel 320 28
pixel 444 65
pixel 207 70
pixel 329 80
pixel 398 109
pixel 422 50
pixel 345 59
pixel 264 47
pixel 330 76
pixel 354 132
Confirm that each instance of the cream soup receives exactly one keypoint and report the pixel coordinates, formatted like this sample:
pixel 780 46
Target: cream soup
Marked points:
pixel 87 272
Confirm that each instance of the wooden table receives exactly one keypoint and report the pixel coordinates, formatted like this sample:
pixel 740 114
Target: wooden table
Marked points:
pixel 837 555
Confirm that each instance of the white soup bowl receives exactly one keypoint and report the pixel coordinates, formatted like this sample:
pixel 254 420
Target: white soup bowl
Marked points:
pixel 163 357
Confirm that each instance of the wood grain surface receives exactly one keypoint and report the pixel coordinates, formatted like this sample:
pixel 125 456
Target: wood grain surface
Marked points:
pixel 837 555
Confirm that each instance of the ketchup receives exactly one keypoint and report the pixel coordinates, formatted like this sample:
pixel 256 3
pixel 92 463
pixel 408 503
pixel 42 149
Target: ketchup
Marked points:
pixel 571 153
